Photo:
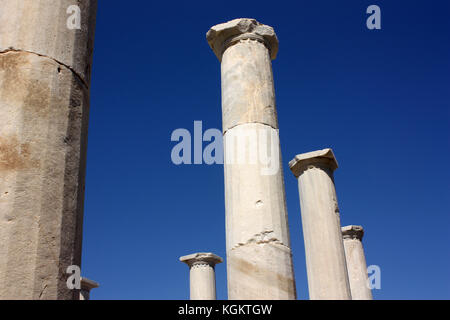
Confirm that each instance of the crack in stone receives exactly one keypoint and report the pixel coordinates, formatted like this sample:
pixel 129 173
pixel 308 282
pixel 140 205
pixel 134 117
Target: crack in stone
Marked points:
pixel 42 292
pixel 11 49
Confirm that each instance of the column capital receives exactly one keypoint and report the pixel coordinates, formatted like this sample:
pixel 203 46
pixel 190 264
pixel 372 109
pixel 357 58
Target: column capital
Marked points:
pixel 88 284
pixel 223 35
pixel 352 232
pixel 201 258
pixel 301 161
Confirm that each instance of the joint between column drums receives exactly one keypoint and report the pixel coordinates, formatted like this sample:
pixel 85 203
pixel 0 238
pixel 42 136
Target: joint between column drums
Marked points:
pixel 252 122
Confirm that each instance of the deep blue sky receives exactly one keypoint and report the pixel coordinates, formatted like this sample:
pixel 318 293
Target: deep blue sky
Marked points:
pixel 379 98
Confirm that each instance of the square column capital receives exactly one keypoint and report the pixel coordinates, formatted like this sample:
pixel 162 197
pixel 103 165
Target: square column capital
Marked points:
pixel 301 161
pixel 352 232
pixel 225 34
pixel 201 258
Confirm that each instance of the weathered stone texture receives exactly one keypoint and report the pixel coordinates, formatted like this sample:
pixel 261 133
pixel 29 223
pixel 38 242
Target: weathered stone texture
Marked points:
pixel 248 93
pixel 40 26
pixel 255 203
pixel 261 270
pixel 202 276
pixel 44 109
pixel 325 258
pixel 356 262
pixel 259 259
pixel 223 34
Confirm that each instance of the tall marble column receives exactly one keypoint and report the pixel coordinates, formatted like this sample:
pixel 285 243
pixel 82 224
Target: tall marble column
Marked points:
pixel 356 262
pixel 46 49
pixel 325 258
pixel 86 286
pixel 259 258
pixel 202 275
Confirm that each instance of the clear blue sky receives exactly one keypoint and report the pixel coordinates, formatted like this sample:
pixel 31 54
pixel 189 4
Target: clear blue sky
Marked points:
pixel 379 98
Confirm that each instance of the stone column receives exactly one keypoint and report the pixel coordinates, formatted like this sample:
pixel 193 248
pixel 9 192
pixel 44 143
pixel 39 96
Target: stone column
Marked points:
pixel 259 258
pixel 202 276
pixel 45 66
pixel 325 257
pixel 356 263
pixel 86 286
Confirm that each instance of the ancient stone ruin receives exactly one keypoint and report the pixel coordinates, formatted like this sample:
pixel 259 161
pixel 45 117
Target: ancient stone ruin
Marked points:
pixel 44 107
pixel 259 257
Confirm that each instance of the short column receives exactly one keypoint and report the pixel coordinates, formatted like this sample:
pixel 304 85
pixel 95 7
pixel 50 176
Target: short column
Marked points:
pixel 325 257
pixel 356 262
pixel 202 275
pixel 86 286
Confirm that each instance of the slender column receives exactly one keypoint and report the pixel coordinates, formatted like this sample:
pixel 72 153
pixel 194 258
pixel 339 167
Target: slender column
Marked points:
pixel 86 286
pixel 45 63
pixel 325 257
pixel 202 276
pixel 356 262
pixel 259 258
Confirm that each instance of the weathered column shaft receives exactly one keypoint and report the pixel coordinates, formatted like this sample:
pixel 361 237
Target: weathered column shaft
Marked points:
pixel 202 275
pixel 44 105
pixel 259 258
pixel 325 258
pixel 202 282
pixel 356 263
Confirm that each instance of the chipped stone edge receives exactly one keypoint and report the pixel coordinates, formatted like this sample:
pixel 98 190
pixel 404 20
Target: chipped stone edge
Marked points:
pixel 261 238
pixel 223 35
pixel 352 232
